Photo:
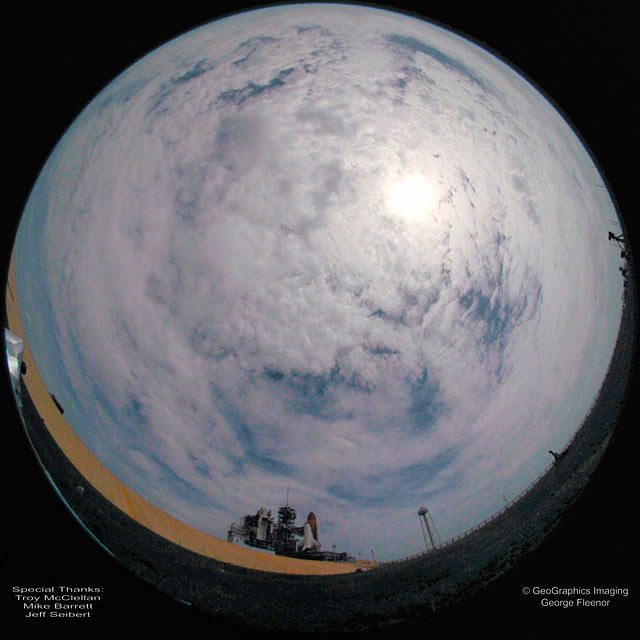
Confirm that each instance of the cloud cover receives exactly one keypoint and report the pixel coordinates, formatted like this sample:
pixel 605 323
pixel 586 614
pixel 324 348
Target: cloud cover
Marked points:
pixel 220 295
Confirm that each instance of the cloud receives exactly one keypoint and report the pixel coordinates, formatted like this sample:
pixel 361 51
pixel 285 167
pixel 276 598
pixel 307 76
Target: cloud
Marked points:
pixel 240 311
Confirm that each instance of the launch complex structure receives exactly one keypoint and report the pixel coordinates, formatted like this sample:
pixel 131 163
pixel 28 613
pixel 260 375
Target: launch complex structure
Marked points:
pixel 262 532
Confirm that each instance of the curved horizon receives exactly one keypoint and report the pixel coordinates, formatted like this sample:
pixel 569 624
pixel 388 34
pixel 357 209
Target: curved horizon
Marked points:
pixel 445 444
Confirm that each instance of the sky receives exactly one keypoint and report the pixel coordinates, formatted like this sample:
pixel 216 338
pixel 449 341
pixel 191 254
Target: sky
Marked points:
pixel 331 250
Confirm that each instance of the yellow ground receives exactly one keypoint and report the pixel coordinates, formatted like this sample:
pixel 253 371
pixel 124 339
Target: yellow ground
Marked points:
pixel 130 502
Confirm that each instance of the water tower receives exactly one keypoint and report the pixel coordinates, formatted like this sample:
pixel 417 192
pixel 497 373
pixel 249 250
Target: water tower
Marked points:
pixel 426 523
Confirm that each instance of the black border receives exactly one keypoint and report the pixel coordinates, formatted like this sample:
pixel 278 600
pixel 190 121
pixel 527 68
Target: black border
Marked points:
pixel 580 57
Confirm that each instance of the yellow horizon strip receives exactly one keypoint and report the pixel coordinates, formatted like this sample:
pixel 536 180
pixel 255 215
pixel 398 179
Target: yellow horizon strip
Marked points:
pixel 131 503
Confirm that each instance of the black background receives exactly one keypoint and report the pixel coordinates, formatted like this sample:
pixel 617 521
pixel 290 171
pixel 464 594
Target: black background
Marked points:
pixel 582 58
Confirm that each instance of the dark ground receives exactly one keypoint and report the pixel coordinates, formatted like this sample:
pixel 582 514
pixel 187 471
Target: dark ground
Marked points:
pixel 583 61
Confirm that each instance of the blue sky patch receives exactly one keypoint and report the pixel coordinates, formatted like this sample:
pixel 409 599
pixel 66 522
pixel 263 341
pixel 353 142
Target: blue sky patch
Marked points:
pixel 425 407
pixel 414 45
pixel 252 90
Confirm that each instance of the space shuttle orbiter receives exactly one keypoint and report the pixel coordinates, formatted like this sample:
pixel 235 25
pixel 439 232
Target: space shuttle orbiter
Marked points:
pixel 310 534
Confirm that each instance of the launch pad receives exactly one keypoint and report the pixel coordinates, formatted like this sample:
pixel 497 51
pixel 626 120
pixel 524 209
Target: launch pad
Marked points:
pixel 262 532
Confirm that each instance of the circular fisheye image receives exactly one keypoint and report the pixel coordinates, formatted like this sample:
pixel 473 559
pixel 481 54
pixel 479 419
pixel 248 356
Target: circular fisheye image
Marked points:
pixel 319 298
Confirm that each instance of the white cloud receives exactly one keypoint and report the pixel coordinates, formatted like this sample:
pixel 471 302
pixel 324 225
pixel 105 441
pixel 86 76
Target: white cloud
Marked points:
pixel 223 252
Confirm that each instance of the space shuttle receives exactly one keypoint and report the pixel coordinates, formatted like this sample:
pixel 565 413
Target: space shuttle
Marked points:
pixel 310 534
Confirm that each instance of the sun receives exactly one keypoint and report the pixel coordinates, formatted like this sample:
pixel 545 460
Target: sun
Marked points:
pixel 412 198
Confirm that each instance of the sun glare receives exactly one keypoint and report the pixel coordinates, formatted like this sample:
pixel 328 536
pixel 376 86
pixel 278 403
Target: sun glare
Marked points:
pixel 412 198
